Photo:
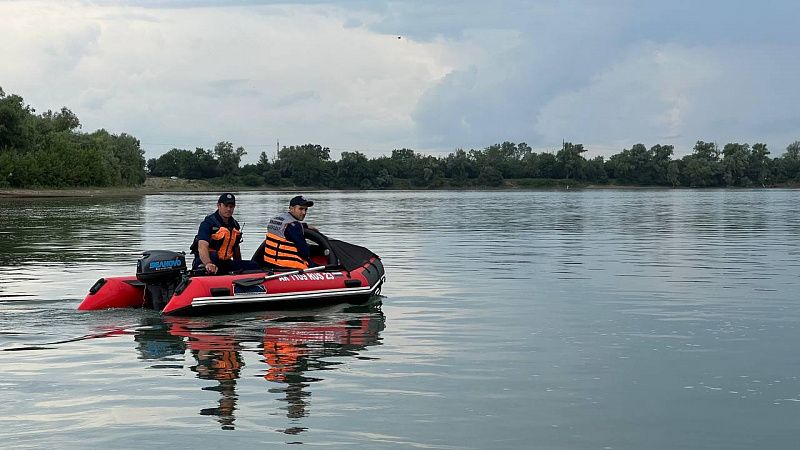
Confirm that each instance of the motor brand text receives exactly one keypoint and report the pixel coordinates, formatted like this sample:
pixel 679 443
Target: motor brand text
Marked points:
pixel 168 264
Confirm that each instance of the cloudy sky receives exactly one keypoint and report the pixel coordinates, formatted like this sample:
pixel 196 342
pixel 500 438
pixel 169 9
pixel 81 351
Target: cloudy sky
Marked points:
pixel 429 75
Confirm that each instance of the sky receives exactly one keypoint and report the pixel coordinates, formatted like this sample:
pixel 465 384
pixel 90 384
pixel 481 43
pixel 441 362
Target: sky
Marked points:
pixel 432 76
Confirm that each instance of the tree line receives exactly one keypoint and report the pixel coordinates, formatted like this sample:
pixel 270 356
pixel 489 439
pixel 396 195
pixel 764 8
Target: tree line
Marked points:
pixel 48 150
pixel 506 164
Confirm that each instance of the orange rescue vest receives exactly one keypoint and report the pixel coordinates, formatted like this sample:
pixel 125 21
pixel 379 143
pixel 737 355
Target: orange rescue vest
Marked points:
pixel 224 240
pixel 227 240
pixel 278 250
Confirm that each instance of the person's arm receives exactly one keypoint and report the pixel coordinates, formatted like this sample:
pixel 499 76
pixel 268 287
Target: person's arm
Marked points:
pixel 294 232
pixel 203 252
pixel 205 256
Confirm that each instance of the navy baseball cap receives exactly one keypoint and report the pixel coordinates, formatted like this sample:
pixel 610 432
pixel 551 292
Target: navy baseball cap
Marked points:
pixel 227 199
pixel 300 201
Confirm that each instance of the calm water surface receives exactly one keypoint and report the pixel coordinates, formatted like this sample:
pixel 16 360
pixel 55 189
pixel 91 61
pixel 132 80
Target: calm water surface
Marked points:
pixel 605 319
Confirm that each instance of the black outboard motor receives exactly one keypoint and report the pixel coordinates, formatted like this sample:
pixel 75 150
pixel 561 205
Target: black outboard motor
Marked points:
pixel 160 271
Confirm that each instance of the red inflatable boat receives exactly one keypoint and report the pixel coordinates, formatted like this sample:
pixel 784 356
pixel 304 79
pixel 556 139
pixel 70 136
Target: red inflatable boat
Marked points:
pixel 348 273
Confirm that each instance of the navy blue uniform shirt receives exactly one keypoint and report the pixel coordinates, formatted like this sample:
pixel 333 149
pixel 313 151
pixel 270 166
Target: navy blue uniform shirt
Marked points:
pixel 294 233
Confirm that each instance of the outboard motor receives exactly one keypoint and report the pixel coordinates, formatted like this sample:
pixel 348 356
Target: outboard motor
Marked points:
pixel 160 271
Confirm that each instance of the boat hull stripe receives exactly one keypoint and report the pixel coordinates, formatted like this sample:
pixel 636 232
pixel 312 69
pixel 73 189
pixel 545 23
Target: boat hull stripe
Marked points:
pixel 258 298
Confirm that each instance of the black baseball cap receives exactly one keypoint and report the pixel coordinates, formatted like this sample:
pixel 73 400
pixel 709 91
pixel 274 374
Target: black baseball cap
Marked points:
pixel 300 201
pixel 227 199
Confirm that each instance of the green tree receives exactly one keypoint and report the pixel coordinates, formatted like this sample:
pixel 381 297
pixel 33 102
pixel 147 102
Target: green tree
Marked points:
pixel 171 164
pixel 199 165
pixel 383 180
pixel 490 176
pixel 735 164
pixel 641 166
pixel 788 165
pixel 306 165
pixel 352 170
pixel 571 163
pixel 264 165
pixel 459 167
pixel 595 170
pixel 63 120
pixel 228 159
pixel 124 153
pixel 701 168
pixel 662 169
pixel 428 171
pixel 46 150
pixel 16 123
pixel 548 166
pixel 403 162
pixel 506 157
pixel 673 176
pixel 759 166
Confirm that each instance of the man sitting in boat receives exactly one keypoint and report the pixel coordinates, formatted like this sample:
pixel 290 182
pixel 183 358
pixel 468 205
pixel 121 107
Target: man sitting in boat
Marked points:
pixel 216 246
pixel 285 244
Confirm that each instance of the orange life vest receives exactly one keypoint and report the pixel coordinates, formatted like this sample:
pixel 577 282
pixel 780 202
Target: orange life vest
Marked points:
pixel 278 250
pixel 224 240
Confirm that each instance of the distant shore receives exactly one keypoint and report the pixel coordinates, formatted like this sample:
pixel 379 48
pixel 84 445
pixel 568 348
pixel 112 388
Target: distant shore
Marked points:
pixel 151 186
pixel 159 185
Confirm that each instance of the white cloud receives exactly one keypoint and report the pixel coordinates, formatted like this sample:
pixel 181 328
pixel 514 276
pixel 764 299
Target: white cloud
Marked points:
pixel 670 94
pixel 462 74
pixel 251 75
pixel 646 97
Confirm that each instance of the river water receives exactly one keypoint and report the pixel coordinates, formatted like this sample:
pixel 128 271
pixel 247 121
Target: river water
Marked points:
pixel 595 319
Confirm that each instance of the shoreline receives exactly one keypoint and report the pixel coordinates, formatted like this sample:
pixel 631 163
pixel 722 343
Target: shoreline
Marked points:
pixel 74 192
pixel 151 186
pixel 157 186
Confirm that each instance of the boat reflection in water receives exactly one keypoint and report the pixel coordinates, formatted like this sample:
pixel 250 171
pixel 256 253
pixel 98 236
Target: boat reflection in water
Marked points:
pixel 290 343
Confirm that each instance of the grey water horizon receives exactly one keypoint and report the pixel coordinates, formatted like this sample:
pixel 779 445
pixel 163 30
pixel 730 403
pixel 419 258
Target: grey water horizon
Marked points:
pixel 579 319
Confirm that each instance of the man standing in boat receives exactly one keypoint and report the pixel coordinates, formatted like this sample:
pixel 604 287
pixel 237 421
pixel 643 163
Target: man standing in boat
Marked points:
pixel 216 246
pixel 285 244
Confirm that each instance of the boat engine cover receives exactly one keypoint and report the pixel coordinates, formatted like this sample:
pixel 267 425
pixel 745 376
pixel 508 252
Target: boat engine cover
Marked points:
pixel 158 266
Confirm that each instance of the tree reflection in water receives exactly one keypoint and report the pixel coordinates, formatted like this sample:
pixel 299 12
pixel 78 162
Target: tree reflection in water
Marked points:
pixel 292 344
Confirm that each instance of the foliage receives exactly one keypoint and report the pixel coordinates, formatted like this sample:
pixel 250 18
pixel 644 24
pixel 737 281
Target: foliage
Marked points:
pixel 352 170
pixel 571 163
pixel 306 165
pixel 228 159
pixel 200 164
pixel 48 150
pixel 701 168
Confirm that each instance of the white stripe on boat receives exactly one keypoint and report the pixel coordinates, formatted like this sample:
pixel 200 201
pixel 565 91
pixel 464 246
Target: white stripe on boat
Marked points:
pixel 249 298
